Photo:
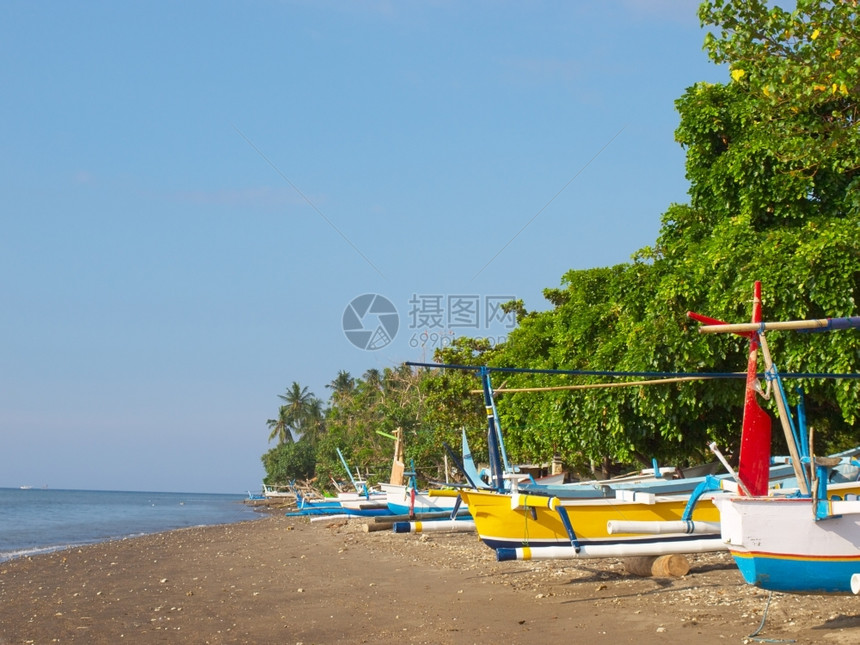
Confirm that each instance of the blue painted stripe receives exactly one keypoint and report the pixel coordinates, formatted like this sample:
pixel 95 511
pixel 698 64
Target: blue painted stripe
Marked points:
pixel 403 509
pixel 798 574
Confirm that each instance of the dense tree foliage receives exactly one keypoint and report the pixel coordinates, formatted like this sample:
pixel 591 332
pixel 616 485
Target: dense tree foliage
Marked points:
pixel 800 72
pixel 772 163
pixel 428 406
pixel 772 157
pixel 289 461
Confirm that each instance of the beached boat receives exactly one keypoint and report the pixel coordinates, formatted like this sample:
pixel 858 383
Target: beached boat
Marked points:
pixel 524 522
pixel 360 502
pixel 533 523
pixel 778 544
pixel 401 492
pixel 573 521
pixel 408 499
pixel 805 543
pixel 404 499
pixel 352 507
pixel 278 492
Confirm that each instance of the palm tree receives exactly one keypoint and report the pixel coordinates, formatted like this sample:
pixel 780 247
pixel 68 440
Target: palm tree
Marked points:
pixel 373 378
pixel 280 427
pixel 342 386
pixel 302 411
pixel 313 425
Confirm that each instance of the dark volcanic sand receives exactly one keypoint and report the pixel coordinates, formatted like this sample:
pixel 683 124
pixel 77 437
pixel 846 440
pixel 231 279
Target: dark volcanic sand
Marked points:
pixel 287 580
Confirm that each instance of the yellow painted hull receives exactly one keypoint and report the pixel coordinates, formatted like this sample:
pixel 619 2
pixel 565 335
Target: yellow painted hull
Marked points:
pixel 534 524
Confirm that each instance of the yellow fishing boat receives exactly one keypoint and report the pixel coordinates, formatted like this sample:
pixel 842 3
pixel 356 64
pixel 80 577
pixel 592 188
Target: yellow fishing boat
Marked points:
pixel 512 520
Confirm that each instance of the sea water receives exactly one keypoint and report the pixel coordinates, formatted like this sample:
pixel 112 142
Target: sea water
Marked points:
pixel 40 520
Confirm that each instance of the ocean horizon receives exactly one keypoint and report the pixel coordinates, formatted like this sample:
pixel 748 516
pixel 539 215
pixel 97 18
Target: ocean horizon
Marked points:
pixel 42 520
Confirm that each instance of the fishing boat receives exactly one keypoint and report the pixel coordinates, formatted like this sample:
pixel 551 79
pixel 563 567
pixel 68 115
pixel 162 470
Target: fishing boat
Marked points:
pixel 351 507
pixel 360 502
pixel 277 492
pixel 526 526
pixel 401 492
pixel 808 542
pixel 599 519
pixel 406 499
pixel 528 522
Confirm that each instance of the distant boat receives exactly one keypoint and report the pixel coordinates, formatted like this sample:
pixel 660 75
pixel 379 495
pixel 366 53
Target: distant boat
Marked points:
pixel 26 487
pixel 270 492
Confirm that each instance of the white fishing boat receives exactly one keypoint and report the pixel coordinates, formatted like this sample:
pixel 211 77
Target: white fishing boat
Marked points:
pixel 278 492
pixel 805 543
pixel 404 499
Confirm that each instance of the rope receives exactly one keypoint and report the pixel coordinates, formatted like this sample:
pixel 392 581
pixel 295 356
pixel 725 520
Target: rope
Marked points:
pixel 528 370
pixel 590 386
pixel 760 627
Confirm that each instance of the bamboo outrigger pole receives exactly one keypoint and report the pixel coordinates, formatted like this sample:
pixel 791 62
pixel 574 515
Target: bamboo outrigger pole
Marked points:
pixel 819 324
pixel 593 386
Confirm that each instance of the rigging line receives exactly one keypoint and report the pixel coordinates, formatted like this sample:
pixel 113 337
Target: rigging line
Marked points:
pixel 591 386
pixel 531 370
pixel 309 202
pixel 545 206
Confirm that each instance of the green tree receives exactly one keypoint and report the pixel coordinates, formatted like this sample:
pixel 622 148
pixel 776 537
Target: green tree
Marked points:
pixel 800 72
pixel 772 157
pixel 381 402
pixel 342 386
pixel 302 410
pixel 280 427
pixel 289 461
pixel 454 399
pixel 298 426
pixel 313 425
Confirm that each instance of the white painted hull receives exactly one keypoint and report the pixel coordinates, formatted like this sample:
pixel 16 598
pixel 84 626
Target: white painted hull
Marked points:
pixel 400 502
pixel 778 544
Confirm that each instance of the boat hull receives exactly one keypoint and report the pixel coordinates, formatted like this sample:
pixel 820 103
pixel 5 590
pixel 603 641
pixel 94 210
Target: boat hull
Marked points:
pixel 400 501
pixel 503 523
pixel 779 546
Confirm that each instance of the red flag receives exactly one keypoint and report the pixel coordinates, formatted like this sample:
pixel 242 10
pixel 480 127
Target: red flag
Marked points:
pixel 754 466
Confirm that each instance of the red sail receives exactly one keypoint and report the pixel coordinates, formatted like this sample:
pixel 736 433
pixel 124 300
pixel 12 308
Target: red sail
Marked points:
pixel 754 465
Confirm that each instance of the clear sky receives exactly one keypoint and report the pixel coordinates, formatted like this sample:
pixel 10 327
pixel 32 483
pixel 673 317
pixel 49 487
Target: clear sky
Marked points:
pixel 194 192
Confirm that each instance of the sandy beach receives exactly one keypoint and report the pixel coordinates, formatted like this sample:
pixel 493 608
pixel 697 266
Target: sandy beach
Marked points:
pixel 288 580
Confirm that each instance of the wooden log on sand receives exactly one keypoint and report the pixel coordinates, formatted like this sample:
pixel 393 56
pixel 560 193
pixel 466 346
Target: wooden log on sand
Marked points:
pixel 674 565
pixel 418 516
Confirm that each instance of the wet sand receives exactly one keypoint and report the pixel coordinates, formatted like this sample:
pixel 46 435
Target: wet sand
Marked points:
pixel 288 580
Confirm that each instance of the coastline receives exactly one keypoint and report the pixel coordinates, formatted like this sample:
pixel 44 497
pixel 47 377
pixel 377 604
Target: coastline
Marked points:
pixel 43 521
pixel 288 580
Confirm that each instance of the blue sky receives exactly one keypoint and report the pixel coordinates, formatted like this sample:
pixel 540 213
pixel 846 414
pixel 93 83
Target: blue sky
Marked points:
pixel 194 192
